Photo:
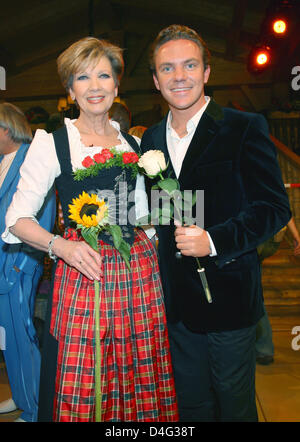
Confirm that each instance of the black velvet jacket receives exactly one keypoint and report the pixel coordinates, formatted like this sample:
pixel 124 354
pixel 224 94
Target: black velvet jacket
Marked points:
pixel 233 160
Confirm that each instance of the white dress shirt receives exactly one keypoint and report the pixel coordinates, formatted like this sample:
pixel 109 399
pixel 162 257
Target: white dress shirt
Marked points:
pixel 41 167
pixel 177 147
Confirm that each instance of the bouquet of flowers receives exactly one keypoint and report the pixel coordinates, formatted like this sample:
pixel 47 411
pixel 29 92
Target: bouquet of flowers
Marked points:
pixel 153 164
pixel 107 158
pixel 91 217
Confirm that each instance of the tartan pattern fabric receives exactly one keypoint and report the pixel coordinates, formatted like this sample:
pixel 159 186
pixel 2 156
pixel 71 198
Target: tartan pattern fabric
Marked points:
pixel 136 374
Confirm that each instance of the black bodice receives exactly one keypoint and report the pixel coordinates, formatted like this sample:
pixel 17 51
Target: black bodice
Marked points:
pixel 113 184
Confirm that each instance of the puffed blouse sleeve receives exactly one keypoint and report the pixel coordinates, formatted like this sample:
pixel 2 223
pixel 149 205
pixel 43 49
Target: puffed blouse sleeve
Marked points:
pixel 37 175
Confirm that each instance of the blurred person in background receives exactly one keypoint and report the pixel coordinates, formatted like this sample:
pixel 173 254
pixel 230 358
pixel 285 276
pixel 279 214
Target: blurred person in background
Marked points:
pixel 21 268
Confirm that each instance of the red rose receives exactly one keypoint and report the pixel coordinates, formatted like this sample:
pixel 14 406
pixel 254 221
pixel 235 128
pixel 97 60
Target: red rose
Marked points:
pixel 107 153
pixel 135 157
pixel 87 162
pixel 99 158
pixel 130 157
pixel 126 157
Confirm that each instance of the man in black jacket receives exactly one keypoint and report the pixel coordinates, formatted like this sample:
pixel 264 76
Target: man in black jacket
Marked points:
pixel 228 154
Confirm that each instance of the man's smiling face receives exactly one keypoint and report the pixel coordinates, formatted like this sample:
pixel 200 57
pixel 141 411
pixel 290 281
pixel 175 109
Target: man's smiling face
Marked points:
pixel 180 75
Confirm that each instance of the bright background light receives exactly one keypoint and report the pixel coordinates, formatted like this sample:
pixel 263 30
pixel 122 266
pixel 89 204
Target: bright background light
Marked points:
pixel 262 58
pixel 279 26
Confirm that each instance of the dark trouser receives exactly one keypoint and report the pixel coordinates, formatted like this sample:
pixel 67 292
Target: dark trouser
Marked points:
pixel 264 342
pixel 48 367
pixel 214 374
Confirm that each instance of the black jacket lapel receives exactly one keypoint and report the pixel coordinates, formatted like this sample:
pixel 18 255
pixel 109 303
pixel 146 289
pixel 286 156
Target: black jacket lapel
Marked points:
pixel 206 130
pixel 160 143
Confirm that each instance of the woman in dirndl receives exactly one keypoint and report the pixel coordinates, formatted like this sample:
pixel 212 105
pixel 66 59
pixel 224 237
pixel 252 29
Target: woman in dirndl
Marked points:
pixel 136 373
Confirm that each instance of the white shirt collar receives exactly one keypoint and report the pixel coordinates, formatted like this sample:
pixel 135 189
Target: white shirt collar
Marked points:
pixel 193 122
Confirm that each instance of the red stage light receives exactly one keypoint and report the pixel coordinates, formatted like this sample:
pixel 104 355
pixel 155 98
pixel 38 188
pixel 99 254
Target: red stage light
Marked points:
pixel 259 59
pixel 262 58
pixel 279 26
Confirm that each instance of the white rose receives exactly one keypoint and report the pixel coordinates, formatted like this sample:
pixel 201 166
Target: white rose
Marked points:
pixel 153 162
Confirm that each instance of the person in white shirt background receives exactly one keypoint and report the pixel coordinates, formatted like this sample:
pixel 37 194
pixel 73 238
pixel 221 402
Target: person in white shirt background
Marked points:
pixel 21 268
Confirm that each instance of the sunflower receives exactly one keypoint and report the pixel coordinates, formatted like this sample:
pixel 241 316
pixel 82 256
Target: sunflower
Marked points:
pixel 87 210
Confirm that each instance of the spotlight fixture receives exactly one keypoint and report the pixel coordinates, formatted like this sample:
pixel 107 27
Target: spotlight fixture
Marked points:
pixel 279 26
pixel 260 58
pixel 279 17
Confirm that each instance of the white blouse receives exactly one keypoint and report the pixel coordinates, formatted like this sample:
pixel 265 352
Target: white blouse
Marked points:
pixel 41 167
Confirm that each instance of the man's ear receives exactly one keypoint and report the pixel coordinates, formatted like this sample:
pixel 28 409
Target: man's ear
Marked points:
pixel 156 81
pixel 206 74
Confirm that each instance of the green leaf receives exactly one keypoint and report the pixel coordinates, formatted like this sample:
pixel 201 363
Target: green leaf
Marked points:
pixel 154 215
pixel 116 234
pixel 124 249
pixel 188 200
pixel 90 235
pixel 122 246
pixel 194 199
pixel 168 185
pixel 166 215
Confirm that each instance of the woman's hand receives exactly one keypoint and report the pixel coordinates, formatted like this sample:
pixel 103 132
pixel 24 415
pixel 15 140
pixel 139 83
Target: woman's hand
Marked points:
pixel 77 254
pixel 80 255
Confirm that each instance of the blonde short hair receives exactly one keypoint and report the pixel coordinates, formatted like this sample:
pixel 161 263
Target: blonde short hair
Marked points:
pixel 86 52
pixel 13 119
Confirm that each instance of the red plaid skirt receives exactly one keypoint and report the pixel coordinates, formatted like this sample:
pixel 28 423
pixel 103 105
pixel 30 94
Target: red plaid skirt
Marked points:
pixel 136 375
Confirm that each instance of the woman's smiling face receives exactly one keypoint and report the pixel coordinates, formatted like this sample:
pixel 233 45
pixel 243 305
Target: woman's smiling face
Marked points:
pixel 95 89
